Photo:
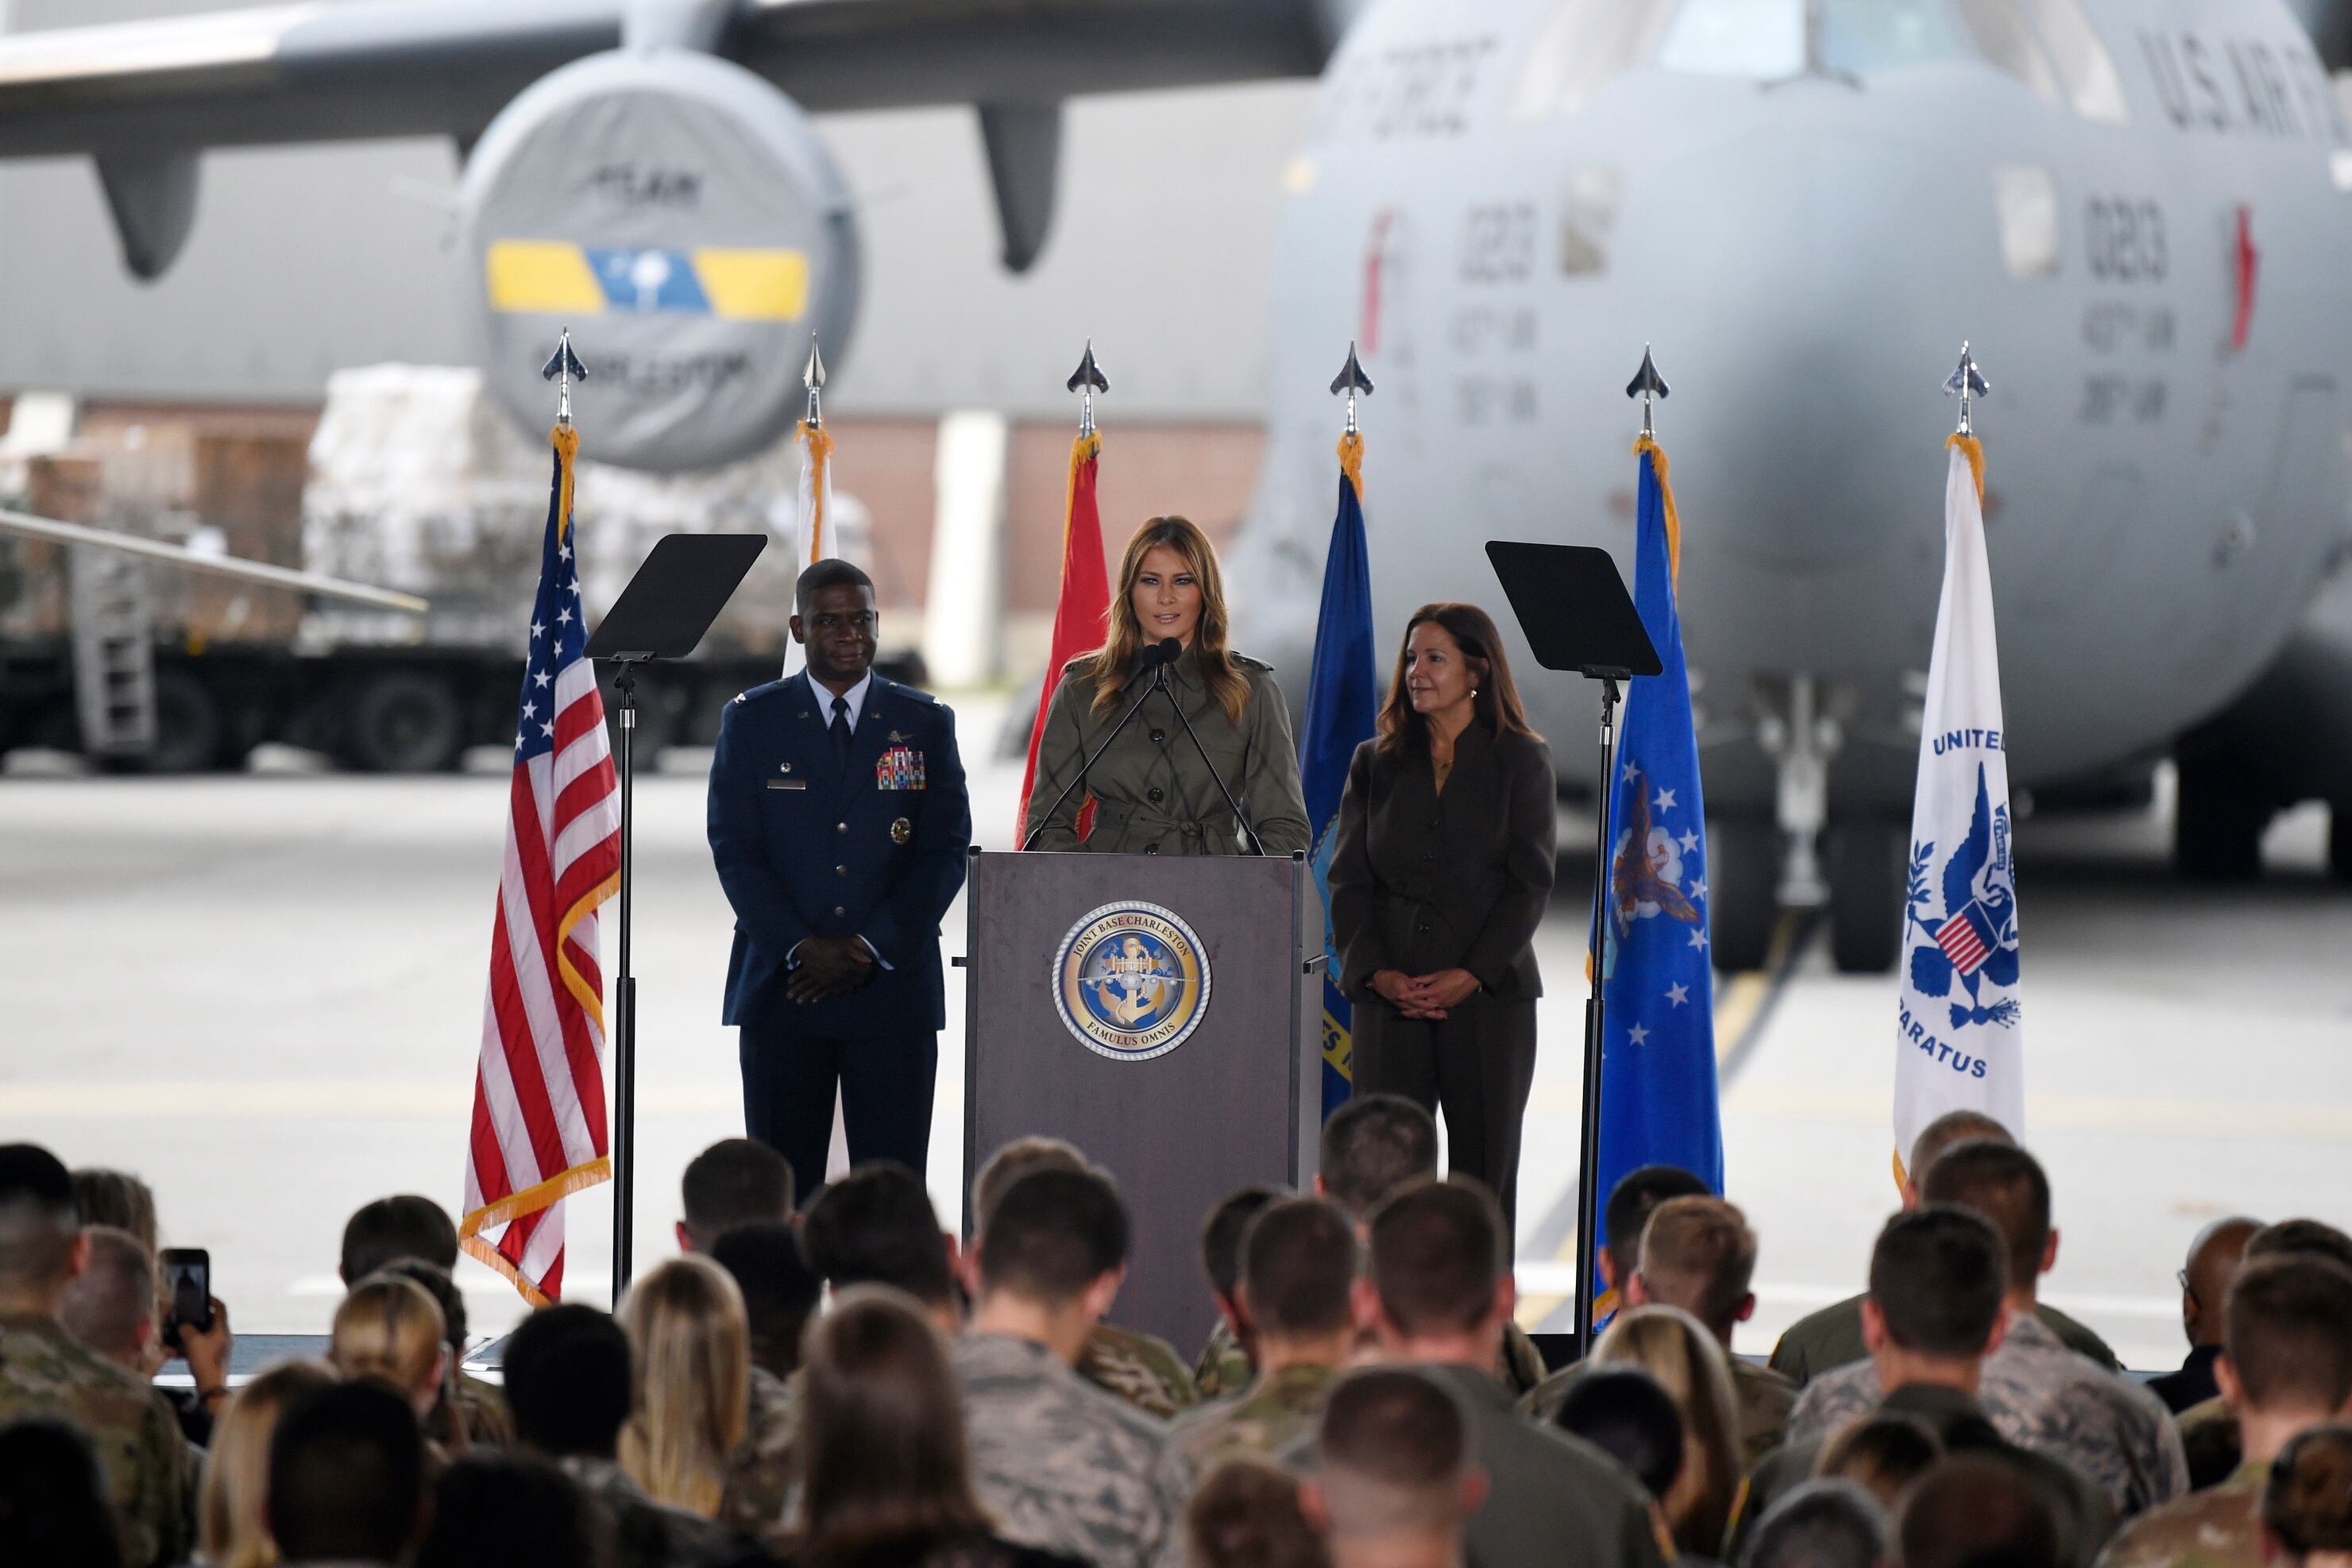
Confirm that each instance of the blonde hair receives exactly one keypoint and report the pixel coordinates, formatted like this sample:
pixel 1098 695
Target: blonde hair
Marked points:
pixel 692 1368
pixel 391 1330
pixel 1677 1350
pixel 232 1529
pixel 1112 660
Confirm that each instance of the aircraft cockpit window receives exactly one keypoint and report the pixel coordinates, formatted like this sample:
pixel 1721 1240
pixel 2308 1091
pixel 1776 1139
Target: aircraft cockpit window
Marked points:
pixel 2051 46
pixel 1767 39
pixel 1586 45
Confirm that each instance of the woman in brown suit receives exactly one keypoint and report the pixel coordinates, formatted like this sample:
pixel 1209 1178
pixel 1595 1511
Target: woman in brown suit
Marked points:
pixel 1440 875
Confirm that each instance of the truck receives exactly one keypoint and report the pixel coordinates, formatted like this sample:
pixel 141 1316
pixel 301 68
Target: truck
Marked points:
pixel 408 477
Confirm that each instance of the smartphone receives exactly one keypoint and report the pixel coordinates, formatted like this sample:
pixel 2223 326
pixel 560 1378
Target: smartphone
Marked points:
pixel 188 1292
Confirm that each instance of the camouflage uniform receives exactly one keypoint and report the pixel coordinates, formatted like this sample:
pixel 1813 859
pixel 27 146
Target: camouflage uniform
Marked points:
pixel 1831 1337
pixel 648 1534
pixel 1143 1371
pixel 2209 1433
pixel 2214 1529
pixel 2046 1398
pixel 759 1476
pixel 1762 1397
pixel 1063 1466
pixel 1262 1421
pixel 44 1372
pixel 1223 1367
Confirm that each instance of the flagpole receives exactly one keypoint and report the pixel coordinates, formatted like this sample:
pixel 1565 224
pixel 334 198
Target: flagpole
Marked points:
pixel 563 369
pixel 1647 385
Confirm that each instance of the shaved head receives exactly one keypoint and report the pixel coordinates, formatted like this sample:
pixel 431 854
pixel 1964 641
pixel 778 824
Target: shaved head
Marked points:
pixel 2213 1261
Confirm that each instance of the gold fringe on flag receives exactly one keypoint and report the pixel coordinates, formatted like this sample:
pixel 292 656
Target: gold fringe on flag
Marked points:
pixel 818 444
pixel 1975 450
pixel 1666 497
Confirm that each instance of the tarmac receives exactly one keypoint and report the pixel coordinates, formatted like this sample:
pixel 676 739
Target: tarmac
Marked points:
pixel 263 993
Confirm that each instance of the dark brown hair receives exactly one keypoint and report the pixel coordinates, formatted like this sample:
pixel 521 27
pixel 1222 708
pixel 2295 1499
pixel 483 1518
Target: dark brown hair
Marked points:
pixel 2287 1330
pixel 1112 660
pixel 1882 1453
pixel 1298 1265
pixel 1939 1273
pixel 2004 1183
pixel 1437 1256
pixel 886 1468
pixel 2307 1502
pixel 1245 1515
pixel 1496 706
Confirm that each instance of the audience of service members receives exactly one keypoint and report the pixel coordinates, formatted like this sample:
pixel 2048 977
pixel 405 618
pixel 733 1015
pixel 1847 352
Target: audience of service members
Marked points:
pixel 840 1385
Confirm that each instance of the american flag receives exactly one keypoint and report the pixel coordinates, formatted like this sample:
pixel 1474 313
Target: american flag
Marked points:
pixel 540 1128
pixel 1967 938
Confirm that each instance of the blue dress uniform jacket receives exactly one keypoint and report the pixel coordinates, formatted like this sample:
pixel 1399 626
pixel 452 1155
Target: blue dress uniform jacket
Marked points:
pixel 805 846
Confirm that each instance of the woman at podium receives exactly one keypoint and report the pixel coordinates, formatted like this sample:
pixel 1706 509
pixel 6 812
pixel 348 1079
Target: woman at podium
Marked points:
pixel 1443 864
pixel 1153 791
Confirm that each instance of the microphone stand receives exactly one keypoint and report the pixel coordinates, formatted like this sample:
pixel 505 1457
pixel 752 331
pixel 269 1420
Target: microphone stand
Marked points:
pixel 1159 677
pixel 1249 834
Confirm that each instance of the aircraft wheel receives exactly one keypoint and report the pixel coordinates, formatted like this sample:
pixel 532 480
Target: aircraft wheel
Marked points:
pixel 1865 873
pixel 402 721
pixel 2218 822
pixel 1742 897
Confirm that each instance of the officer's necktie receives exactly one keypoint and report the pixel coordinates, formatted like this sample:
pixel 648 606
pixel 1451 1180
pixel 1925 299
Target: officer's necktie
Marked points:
pixel 841 730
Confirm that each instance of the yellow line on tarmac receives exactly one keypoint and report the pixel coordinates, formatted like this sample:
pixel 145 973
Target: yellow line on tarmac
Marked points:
pixel 1738 1008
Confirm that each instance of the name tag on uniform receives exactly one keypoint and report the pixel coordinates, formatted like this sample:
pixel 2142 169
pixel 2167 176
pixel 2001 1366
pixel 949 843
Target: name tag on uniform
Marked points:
pixel 788 783
pixel 900 767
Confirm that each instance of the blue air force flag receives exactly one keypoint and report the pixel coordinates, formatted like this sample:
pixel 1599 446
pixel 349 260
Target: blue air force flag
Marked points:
pixel 1959 1044
pixel 1342 700
pixel 1657 1061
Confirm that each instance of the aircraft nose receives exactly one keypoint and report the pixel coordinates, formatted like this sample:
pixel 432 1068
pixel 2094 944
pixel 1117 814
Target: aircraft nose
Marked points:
pixel 1816 286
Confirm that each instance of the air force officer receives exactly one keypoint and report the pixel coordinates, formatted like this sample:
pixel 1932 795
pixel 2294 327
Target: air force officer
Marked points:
pixel 839 826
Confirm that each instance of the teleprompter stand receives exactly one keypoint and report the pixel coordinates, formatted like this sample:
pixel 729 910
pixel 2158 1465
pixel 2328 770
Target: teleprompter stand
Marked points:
pixel 1573 608
pixel 686 580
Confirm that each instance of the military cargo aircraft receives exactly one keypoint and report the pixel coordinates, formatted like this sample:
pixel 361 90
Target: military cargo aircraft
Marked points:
pixel 2138 210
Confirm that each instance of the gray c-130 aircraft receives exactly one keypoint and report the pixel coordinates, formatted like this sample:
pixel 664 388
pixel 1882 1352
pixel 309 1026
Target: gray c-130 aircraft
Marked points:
pixel 2139 210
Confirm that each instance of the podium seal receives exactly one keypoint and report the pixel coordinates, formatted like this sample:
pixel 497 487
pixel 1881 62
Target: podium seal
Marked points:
pixel 1132 980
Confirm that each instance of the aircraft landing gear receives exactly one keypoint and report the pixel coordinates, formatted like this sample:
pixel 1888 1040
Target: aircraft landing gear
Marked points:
pixel 1866 876
pixel 1744 862
pixel 2219 816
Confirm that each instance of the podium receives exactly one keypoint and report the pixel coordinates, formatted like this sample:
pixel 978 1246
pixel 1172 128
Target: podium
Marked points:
pixel 1163 1013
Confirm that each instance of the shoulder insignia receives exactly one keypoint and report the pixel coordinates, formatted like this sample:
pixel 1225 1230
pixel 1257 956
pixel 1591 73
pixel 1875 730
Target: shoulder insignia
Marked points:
pixel 768 690
pixel 741 695
pixel 1246 662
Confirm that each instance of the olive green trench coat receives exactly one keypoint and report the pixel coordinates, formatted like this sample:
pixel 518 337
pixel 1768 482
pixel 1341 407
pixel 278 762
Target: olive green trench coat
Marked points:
pixel 1153 795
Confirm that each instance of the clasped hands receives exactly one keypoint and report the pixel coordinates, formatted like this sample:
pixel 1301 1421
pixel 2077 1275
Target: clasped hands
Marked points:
pixel 828 966
pixel 1425 995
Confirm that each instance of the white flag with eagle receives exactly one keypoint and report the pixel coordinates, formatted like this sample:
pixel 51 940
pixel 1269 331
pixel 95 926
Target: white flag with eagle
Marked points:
pixel 1959 1037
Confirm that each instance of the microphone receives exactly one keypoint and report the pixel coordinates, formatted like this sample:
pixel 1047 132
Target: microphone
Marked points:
pixel 1153 656
pixel 1168 652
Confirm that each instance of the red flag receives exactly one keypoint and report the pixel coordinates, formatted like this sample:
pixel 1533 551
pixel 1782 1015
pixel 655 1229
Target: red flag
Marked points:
pixel 1081 617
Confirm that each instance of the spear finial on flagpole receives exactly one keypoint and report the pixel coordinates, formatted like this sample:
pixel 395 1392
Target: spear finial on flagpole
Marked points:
pixel 1969 383
pixel 813 377
pixel 1351 380
pixel 1648 385
pixel 563 368
pixel 1086 381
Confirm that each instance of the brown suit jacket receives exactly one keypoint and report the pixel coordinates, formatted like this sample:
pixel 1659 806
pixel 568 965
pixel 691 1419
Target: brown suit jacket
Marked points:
pixel 1423 881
